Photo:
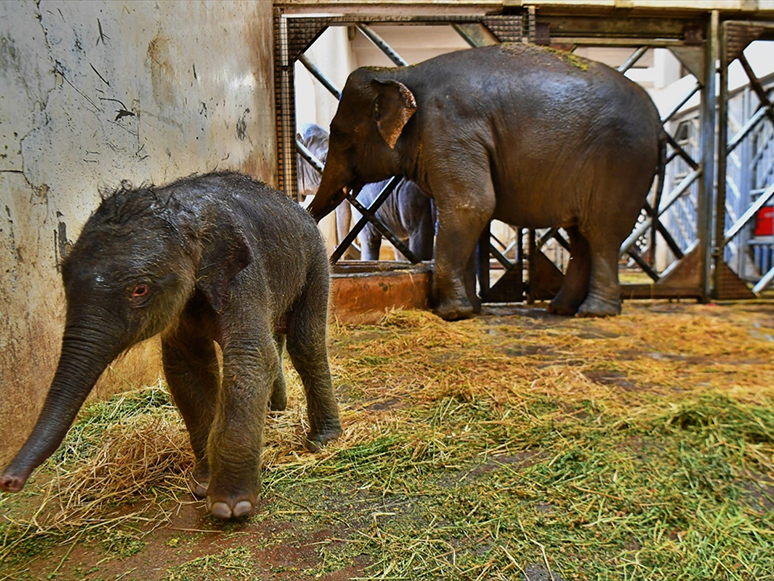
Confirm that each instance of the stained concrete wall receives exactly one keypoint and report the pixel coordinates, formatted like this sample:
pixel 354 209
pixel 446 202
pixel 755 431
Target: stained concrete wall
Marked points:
pixel 92 93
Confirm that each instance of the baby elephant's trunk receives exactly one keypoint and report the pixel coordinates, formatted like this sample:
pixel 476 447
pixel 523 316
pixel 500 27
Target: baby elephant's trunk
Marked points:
pixel 85 354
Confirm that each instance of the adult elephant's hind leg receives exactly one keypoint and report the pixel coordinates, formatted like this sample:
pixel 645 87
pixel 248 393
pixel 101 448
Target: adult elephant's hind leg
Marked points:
pixel 576 279
pixel 604 296
pixel 306 344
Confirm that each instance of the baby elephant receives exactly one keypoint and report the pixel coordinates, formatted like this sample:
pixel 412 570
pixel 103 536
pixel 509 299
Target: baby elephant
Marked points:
pixel 213 258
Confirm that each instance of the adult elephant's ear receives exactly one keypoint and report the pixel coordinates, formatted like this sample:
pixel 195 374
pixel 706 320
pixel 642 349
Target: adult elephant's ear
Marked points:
pixel 224 253
pixel 392 108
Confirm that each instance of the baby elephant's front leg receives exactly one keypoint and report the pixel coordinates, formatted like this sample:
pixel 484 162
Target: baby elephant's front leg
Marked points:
pixel 250 368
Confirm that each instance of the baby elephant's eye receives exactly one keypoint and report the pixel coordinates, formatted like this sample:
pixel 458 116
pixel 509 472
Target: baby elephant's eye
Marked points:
pixel 140 290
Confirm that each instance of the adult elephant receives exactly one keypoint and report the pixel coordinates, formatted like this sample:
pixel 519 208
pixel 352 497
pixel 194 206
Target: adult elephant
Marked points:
pixel 529 136
pixel 407 212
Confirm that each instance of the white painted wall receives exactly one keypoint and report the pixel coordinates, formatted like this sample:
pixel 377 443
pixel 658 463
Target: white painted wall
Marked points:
pixel 194 83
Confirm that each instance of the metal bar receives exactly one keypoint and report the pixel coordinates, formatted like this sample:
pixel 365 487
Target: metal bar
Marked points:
pixel 631 42
pixel 375 205
pixel 681 152
pixel 464 34
pixel 318 74
pixel 756 85
pixel 764 282
pixel 496 239
pixel 665 234
pixel 285 99
pixel 482 267
pixel 507 264
pixel 708 152
pixel 673 196
pixel 682 102
pixel 309 156
pixel 383 46
pixel 752 122
pixel 643 265
pixel 748 215
pixel 562 242
pixel 543 240
pixel 383 230
pixel 629 63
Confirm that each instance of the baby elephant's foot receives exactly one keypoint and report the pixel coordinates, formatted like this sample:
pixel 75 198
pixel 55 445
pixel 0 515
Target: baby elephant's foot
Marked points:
pixel 316 440
pixel 230 506
pixel 278 401
pixel 199 480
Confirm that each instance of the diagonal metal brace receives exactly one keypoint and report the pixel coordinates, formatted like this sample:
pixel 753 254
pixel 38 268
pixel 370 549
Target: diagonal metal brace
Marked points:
pixel 319 75
pixel 757 87
pixel 381 44
pixel 368 216
pixel 383 230
pixel 748 215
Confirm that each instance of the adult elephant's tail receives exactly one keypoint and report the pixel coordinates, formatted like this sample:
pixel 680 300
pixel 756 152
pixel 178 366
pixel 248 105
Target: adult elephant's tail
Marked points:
pixel 660 178
pixel 660 170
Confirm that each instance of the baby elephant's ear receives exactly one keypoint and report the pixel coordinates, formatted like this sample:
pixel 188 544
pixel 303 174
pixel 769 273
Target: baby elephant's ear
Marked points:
pixel 393 106
pixel 225 252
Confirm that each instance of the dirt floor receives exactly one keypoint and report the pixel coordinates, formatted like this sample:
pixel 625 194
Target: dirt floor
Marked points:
pixel 516 445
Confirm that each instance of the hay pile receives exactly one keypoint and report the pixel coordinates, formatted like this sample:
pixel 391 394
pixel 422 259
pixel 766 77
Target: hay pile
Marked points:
pixel 619 448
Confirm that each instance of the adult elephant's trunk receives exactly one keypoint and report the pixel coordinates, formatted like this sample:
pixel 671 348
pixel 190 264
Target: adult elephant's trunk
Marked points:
pixel 86 352
pixel 331 191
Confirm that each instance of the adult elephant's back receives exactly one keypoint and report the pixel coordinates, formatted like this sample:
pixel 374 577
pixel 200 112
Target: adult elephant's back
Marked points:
pixel 565 137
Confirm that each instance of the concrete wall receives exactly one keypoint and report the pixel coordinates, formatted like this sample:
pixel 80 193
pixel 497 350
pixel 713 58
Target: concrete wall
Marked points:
pixel 91 93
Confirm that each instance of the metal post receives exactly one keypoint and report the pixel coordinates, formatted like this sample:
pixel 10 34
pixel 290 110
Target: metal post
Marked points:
pixel 707 183
pixel 285 98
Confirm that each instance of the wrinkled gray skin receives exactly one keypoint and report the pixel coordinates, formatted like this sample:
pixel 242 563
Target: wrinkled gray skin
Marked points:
pixel 218 258
pixel 407 212
pixel 528 136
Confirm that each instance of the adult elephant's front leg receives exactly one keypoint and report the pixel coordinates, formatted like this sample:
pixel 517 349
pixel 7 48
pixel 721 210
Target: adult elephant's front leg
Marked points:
pixel 464 206
pixel 250 368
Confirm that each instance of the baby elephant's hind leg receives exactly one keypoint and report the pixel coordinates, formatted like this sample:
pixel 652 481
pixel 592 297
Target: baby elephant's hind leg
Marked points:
pixel 193 377
pixel 306 342
pixel 279 393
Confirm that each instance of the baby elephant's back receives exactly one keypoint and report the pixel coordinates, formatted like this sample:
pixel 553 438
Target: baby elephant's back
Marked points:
pixel 286 248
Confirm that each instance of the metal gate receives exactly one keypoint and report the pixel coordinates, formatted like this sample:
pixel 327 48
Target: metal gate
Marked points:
pixel 530 266
pixel 745 171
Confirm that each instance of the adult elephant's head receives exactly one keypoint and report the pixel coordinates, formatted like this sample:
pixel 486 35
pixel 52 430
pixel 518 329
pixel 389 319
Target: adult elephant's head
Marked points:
pixel 364 134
